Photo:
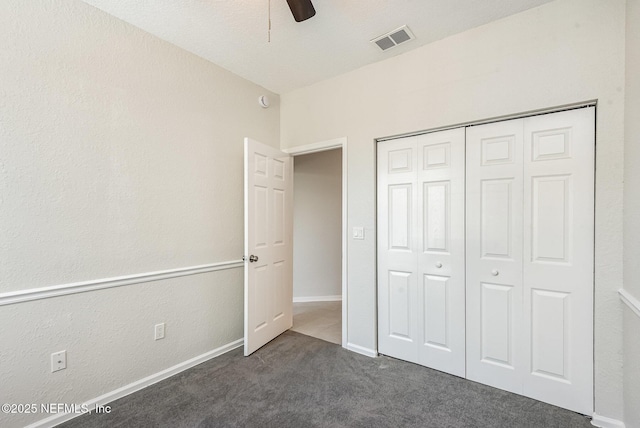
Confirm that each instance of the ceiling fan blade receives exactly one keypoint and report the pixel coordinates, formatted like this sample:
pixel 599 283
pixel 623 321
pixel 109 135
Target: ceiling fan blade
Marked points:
pixel 301 9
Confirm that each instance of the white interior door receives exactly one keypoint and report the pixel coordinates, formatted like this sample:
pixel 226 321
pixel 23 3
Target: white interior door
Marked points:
pixel 558 258
pixel 398 323
pixel 529 240
pixel 440 255
pixel 530 218
pixel 268 272
pixel 494 254
pixel 421 250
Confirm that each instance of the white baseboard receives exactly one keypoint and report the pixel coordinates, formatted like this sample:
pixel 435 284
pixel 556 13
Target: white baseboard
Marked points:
pixel 336 298
pixel 362 350
pixel 138 385
pixel 604 422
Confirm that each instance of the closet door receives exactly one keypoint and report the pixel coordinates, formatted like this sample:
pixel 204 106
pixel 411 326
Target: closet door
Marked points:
pixel 495 351
pixel 530 218
pixel 398 324
pixel 441 286
pixel 558 258
pixel 421 250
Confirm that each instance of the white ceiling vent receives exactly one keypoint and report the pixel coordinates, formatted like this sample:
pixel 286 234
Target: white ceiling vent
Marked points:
pixel 394 38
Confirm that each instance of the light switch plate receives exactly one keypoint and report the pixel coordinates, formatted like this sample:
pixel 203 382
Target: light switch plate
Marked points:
pixel 358 233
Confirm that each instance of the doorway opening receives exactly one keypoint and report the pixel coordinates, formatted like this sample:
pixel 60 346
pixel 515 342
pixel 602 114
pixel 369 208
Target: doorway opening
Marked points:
pixel 317 259
pixel 319 241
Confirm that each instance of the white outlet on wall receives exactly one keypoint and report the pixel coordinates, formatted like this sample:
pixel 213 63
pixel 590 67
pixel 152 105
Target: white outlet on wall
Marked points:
pixel 159 331
pixel 58 361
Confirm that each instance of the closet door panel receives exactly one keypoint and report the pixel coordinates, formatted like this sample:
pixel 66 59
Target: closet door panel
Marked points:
pixel 421 288
pixel 440 210
pixel 494 254
pixel 398 277
pixel 496 321
pixel 558 258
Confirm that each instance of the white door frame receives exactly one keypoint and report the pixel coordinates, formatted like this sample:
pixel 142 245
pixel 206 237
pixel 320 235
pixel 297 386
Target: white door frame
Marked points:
pixel 337 143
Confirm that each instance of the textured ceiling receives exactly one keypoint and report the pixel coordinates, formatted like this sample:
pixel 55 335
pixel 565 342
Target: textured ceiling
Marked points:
pixel 233 33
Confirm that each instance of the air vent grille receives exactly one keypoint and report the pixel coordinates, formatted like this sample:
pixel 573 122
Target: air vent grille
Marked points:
pixel 394 38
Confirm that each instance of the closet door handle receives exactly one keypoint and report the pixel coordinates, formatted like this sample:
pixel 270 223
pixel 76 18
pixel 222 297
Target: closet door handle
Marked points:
pixel 438 265
pixel 495 272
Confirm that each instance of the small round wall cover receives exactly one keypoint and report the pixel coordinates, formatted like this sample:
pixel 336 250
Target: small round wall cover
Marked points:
pixel 263 100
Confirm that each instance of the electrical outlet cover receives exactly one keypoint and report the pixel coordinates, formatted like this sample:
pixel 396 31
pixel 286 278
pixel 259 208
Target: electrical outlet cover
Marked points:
pixel 159 331
pixel 58 361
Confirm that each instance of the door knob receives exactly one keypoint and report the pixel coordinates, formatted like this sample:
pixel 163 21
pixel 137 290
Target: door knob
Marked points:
pixel 438 265
pixel 253 258
pixel 495 272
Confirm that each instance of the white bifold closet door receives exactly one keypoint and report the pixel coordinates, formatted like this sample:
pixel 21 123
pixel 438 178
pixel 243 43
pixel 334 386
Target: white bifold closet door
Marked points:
pixel 421 268
pixel 530 219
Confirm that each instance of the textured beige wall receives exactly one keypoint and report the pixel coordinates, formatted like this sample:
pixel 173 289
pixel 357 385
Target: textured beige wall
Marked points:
pixel 562 52
pixel 632 216
pixel 119 154
pixel 317 224
pixel 631 369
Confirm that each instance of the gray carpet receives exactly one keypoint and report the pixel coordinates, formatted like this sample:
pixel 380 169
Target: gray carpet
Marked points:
pixel 298 381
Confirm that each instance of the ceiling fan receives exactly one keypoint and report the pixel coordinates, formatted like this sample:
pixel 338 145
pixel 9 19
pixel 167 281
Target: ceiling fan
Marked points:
pixel 301 9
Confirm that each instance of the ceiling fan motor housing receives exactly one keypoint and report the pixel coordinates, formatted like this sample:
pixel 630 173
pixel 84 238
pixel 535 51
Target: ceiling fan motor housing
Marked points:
pixel 301 9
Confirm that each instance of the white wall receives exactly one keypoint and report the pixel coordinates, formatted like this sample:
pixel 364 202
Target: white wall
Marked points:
pixel 562 52
pixel 632 216
pixel 120 154
pixel 317 224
